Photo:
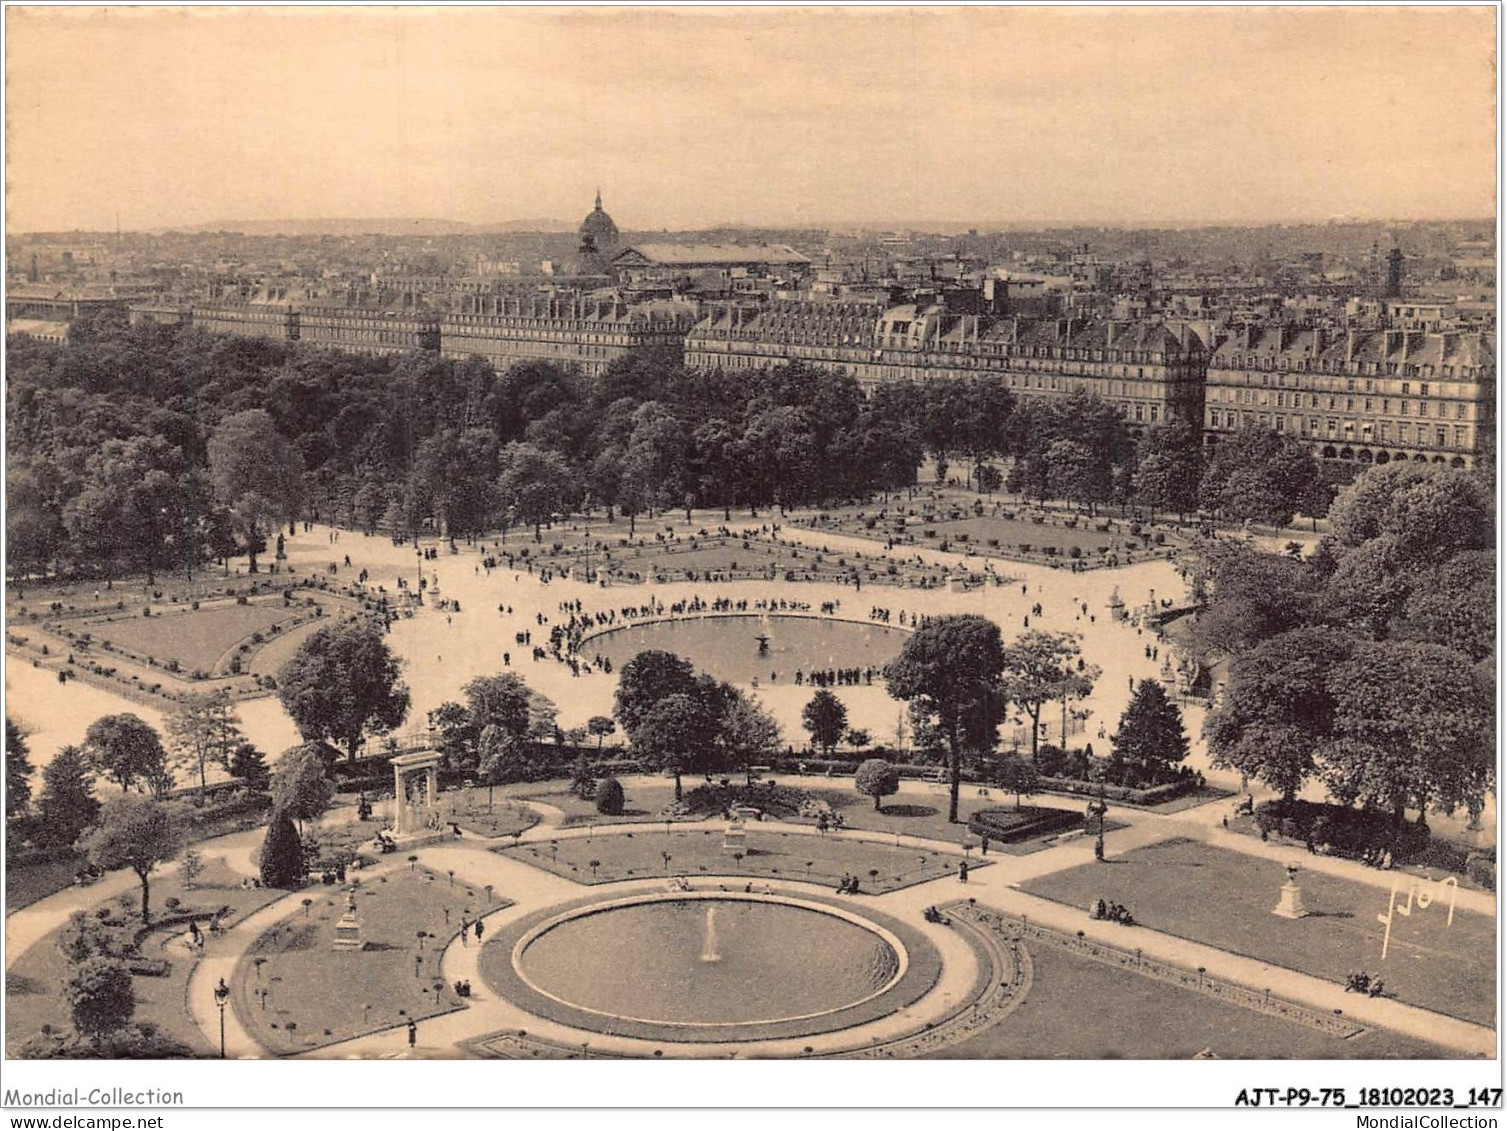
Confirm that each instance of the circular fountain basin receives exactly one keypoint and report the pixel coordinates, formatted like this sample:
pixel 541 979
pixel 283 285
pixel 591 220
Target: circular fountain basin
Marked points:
pixel 709 960
pixel 728 646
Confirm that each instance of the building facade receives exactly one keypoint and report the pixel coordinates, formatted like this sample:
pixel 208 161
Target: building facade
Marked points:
pixel 1152 371
pixel 1367 396
pixel 565 331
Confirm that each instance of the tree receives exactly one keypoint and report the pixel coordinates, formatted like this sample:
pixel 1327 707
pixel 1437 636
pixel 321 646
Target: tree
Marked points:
pixel 502 700
pixel 878 779
pixel 204 729
pixel 256 473
pixel 342 684
pixel 950 667
pixel 1168 468
pixel 1150 741
pixel 535 485
pixel 498 752
pixel 301 787
pixel 1037 669
pixel 127 750
pixel 1071 474
pixel 750 734
pixel 1278 708
pixel 17 770
pixel 1017 775
pixel 1259 476
pixel 281 861
pixel 677 736
pixel 134 832
pixel 67 805
pixel 1454 604
pixel 1413 724
pixel 825 718
pixel 600 726
pixel 644 681
pixel 101 999
pixel 1256 596
pixel 250 765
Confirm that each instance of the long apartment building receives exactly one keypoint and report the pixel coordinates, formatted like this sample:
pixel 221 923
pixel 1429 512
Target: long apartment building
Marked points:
pixel 1152 370
pixel 504 331
pixel 1370 396
pixel 585 333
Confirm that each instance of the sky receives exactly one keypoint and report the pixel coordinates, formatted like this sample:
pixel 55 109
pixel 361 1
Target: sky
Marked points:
pixel 691 117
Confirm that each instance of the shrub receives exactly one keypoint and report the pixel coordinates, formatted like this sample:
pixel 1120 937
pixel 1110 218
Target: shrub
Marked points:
pixel 609 798
pixel 100 997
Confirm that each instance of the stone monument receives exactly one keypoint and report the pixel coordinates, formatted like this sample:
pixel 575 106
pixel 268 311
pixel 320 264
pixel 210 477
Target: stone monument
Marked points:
pixel 416 817
pixel 348 934
pixel 1290 903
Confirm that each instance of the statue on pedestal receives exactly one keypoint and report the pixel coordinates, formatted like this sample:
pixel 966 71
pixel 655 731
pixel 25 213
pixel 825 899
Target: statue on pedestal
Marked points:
pixel 1290 902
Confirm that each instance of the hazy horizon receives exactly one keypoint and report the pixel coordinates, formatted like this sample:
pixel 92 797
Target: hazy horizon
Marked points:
pixel 761 118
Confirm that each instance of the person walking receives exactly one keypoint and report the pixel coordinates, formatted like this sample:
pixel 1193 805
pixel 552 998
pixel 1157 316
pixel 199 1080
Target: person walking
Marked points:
pixel 478 932
pixel 413 1033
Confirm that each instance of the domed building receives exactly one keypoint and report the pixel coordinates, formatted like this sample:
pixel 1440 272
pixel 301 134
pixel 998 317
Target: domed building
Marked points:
pixel 600 230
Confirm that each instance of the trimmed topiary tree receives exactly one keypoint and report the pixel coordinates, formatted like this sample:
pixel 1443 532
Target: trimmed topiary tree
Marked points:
pixel 609 798
pixel 878 779
pixel 282 857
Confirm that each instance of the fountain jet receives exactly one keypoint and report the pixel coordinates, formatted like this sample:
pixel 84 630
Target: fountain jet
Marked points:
pixel 709 937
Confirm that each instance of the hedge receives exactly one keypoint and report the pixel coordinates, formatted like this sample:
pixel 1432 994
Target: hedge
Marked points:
pixel 1151 795
pixel 1010 825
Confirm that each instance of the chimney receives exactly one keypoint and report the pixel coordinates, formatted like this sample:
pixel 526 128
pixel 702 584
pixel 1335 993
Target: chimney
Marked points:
pixel 1349 345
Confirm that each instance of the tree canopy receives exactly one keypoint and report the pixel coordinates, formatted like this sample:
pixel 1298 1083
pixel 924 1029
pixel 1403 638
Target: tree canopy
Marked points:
pixel 342 684
pixel 948 669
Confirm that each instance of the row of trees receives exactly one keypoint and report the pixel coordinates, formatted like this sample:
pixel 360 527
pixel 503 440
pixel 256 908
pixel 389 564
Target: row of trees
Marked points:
pixel 1370 665
pixel 148 448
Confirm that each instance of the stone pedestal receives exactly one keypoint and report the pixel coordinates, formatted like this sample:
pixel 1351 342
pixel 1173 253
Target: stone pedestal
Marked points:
pixel 1290 904
pixel 348 933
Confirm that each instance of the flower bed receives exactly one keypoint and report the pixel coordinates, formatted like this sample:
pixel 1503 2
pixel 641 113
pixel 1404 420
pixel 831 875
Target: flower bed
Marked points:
pixel 1010 825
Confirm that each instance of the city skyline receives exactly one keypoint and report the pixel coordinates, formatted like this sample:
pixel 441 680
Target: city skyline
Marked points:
pixel 158 118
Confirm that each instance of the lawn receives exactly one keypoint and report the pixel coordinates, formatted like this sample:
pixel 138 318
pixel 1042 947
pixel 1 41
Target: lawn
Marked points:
pixel 317 995
pixel 27 883
pixel 196 639
pixel 1224 899
pixel 32 999
pixel 766 856
pixel 1078 1008
pixel 468 808
pixel 641 802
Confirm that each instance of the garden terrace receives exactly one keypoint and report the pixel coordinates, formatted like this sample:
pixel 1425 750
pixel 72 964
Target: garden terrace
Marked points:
pixel 209 640
pixel 318 995
pixel 999 529
pixel 767 856
pixel 1448 968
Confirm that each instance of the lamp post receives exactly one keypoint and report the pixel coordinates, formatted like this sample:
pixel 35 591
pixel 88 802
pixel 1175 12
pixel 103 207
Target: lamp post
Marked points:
pixel 222 996
pixel 1098 807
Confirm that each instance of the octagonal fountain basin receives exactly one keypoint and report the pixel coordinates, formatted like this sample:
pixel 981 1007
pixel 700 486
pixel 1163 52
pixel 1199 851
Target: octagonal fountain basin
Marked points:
pixel 742 648
pixel 709 960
